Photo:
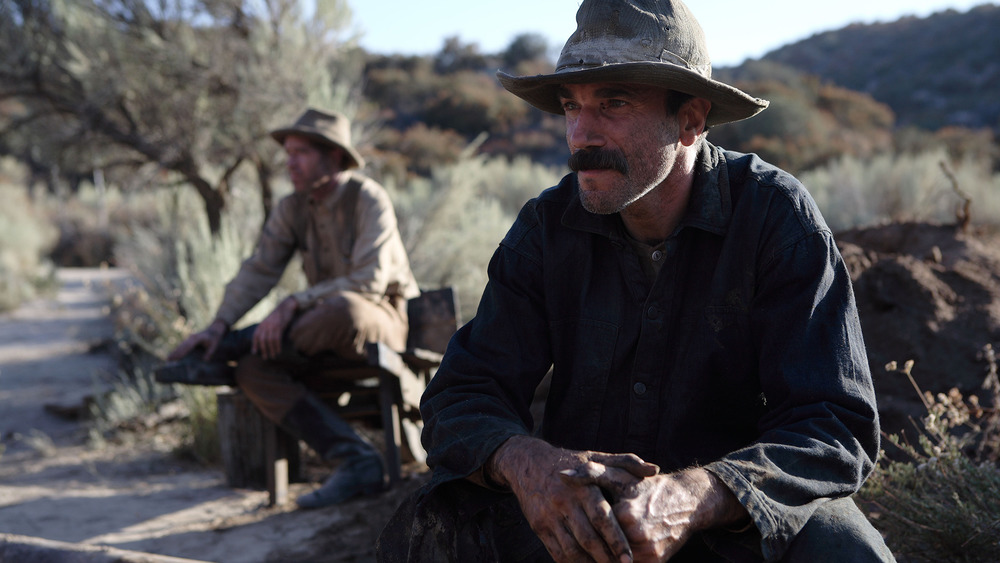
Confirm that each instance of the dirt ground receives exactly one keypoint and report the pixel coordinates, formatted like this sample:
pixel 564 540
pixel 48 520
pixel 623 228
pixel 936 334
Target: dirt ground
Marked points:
pixel 930 294
pixel 925 292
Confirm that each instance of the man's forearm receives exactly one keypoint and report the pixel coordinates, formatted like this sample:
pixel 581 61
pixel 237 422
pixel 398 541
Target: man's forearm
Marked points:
pixel 718 507
pixel 489 475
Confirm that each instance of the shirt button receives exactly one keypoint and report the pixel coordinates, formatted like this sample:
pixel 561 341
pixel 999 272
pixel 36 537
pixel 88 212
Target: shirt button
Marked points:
pixel 652 313
pixel 639 388
pixel 657 256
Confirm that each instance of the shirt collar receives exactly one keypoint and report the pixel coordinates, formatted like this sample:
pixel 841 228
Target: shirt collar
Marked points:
pixel 709 209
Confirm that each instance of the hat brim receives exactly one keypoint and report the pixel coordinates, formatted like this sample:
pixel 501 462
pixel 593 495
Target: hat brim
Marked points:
pixel 728 103
pixel 313 135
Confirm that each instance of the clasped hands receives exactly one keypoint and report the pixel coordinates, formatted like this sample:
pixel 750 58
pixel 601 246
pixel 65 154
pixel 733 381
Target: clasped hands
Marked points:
pixel 593 506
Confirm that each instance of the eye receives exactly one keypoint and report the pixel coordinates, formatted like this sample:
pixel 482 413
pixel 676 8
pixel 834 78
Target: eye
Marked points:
pixel 568 105
pixel 616 103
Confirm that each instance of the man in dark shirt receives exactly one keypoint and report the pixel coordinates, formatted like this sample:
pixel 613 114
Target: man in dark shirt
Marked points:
pixel 710 398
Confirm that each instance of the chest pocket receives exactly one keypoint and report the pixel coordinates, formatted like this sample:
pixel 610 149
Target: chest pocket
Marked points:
pixel 345 212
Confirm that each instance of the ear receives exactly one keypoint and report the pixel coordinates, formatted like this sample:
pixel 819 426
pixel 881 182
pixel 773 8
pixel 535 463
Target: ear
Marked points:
pixel 691 119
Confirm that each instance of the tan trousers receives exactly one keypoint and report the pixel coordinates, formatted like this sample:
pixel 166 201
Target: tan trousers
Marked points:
pixel 342 325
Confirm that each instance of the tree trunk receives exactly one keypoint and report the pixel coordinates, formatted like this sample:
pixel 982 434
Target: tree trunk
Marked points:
pixel 266 191
pixel 214 201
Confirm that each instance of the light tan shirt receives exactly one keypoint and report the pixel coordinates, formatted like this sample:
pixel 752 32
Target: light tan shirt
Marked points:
pixel 370 261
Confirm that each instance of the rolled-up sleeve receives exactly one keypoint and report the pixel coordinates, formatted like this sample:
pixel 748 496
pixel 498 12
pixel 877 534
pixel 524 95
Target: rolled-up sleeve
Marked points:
pixel 482 393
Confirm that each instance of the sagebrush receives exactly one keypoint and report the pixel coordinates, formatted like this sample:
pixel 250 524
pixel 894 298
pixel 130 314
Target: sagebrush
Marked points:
pixel 942 503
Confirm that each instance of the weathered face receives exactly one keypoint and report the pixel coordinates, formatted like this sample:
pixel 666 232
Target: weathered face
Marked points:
pixel 623 141
pixel 309 167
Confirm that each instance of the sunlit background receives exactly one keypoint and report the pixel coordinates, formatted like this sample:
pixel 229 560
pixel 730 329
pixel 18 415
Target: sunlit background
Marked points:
pixel 735 30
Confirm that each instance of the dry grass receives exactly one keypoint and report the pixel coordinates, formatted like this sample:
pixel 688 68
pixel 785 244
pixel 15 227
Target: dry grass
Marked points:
pixel 943 503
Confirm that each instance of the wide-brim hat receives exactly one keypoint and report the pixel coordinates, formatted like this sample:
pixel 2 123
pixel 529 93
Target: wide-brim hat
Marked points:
pixel 331 129
pixel 653 42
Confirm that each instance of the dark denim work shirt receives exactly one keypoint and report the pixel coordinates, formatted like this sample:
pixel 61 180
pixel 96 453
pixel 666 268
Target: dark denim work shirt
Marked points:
pixel 744 356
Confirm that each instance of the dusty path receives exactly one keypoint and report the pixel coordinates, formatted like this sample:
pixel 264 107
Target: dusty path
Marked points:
pixel 134 496
pixel 45 358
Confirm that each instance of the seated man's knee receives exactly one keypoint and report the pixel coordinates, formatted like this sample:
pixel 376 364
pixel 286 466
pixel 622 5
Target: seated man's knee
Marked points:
pixel 343 324
pixel 838 531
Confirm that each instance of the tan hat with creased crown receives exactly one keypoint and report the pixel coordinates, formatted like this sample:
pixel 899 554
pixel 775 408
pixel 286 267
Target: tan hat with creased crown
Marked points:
pixel 331 129
pixel 653 42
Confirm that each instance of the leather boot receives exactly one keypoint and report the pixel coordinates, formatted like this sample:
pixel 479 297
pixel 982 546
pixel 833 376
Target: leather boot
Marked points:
pixel 361 471
pixel 193 369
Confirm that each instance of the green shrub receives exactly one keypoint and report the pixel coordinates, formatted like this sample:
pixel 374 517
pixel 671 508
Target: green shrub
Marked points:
pixel 26 237
pixel 201 436
pixel 853 192
pixel 943 503
pixel 452 222
pixel 182 271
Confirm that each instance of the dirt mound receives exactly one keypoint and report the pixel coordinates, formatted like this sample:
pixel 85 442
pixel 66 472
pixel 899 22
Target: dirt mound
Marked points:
pixel 927 293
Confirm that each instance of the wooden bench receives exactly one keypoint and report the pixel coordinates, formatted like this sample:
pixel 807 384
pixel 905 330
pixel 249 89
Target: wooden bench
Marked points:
pixel 384 391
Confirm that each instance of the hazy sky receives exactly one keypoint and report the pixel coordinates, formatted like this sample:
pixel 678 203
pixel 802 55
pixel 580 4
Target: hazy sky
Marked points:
pixel 734 31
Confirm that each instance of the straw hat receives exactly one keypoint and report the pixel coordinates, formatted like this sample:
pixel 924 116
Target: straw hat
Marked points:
pixel 653 42
pixel 331 129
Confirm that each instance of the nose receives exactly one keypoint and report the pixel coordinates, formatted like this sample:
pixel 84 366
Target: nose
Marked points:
pixel 584 130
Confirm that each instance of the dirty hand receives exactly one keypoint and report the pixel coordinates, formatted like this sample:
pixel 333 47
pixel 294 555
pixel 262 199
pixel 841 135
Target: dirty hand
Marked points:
pixel 270 332
pixel 208 339
pixel 660 513
pixel 572 517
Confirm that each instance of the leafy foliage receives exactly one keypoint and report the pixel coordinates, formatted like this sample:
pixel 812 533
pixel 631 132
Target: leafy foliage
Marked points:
pixel 456 91
pixel 115 83
pixel 859 192
pixel 453 222
pixel 808 122
pixel 25 238
pixel 182 268
pixel 943 503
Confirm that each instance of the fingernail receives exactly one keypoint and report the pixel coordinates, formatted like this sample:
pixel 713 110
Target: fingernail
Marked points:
pixel 569 472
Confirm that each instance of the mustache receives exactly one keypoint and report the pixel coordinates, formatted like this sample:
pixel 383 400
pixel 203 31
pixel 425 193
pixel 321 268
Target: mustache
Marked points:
pixel 598 159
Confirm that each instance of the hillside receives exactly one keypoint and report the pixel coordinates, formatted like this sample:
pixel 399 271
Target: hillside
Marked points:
pixel 937 71
pixel 843 92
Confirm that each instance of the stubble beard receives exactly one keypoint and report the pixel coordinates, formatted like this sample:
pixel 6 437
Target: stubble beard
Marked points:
pixel 320 177
pixel 645 172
